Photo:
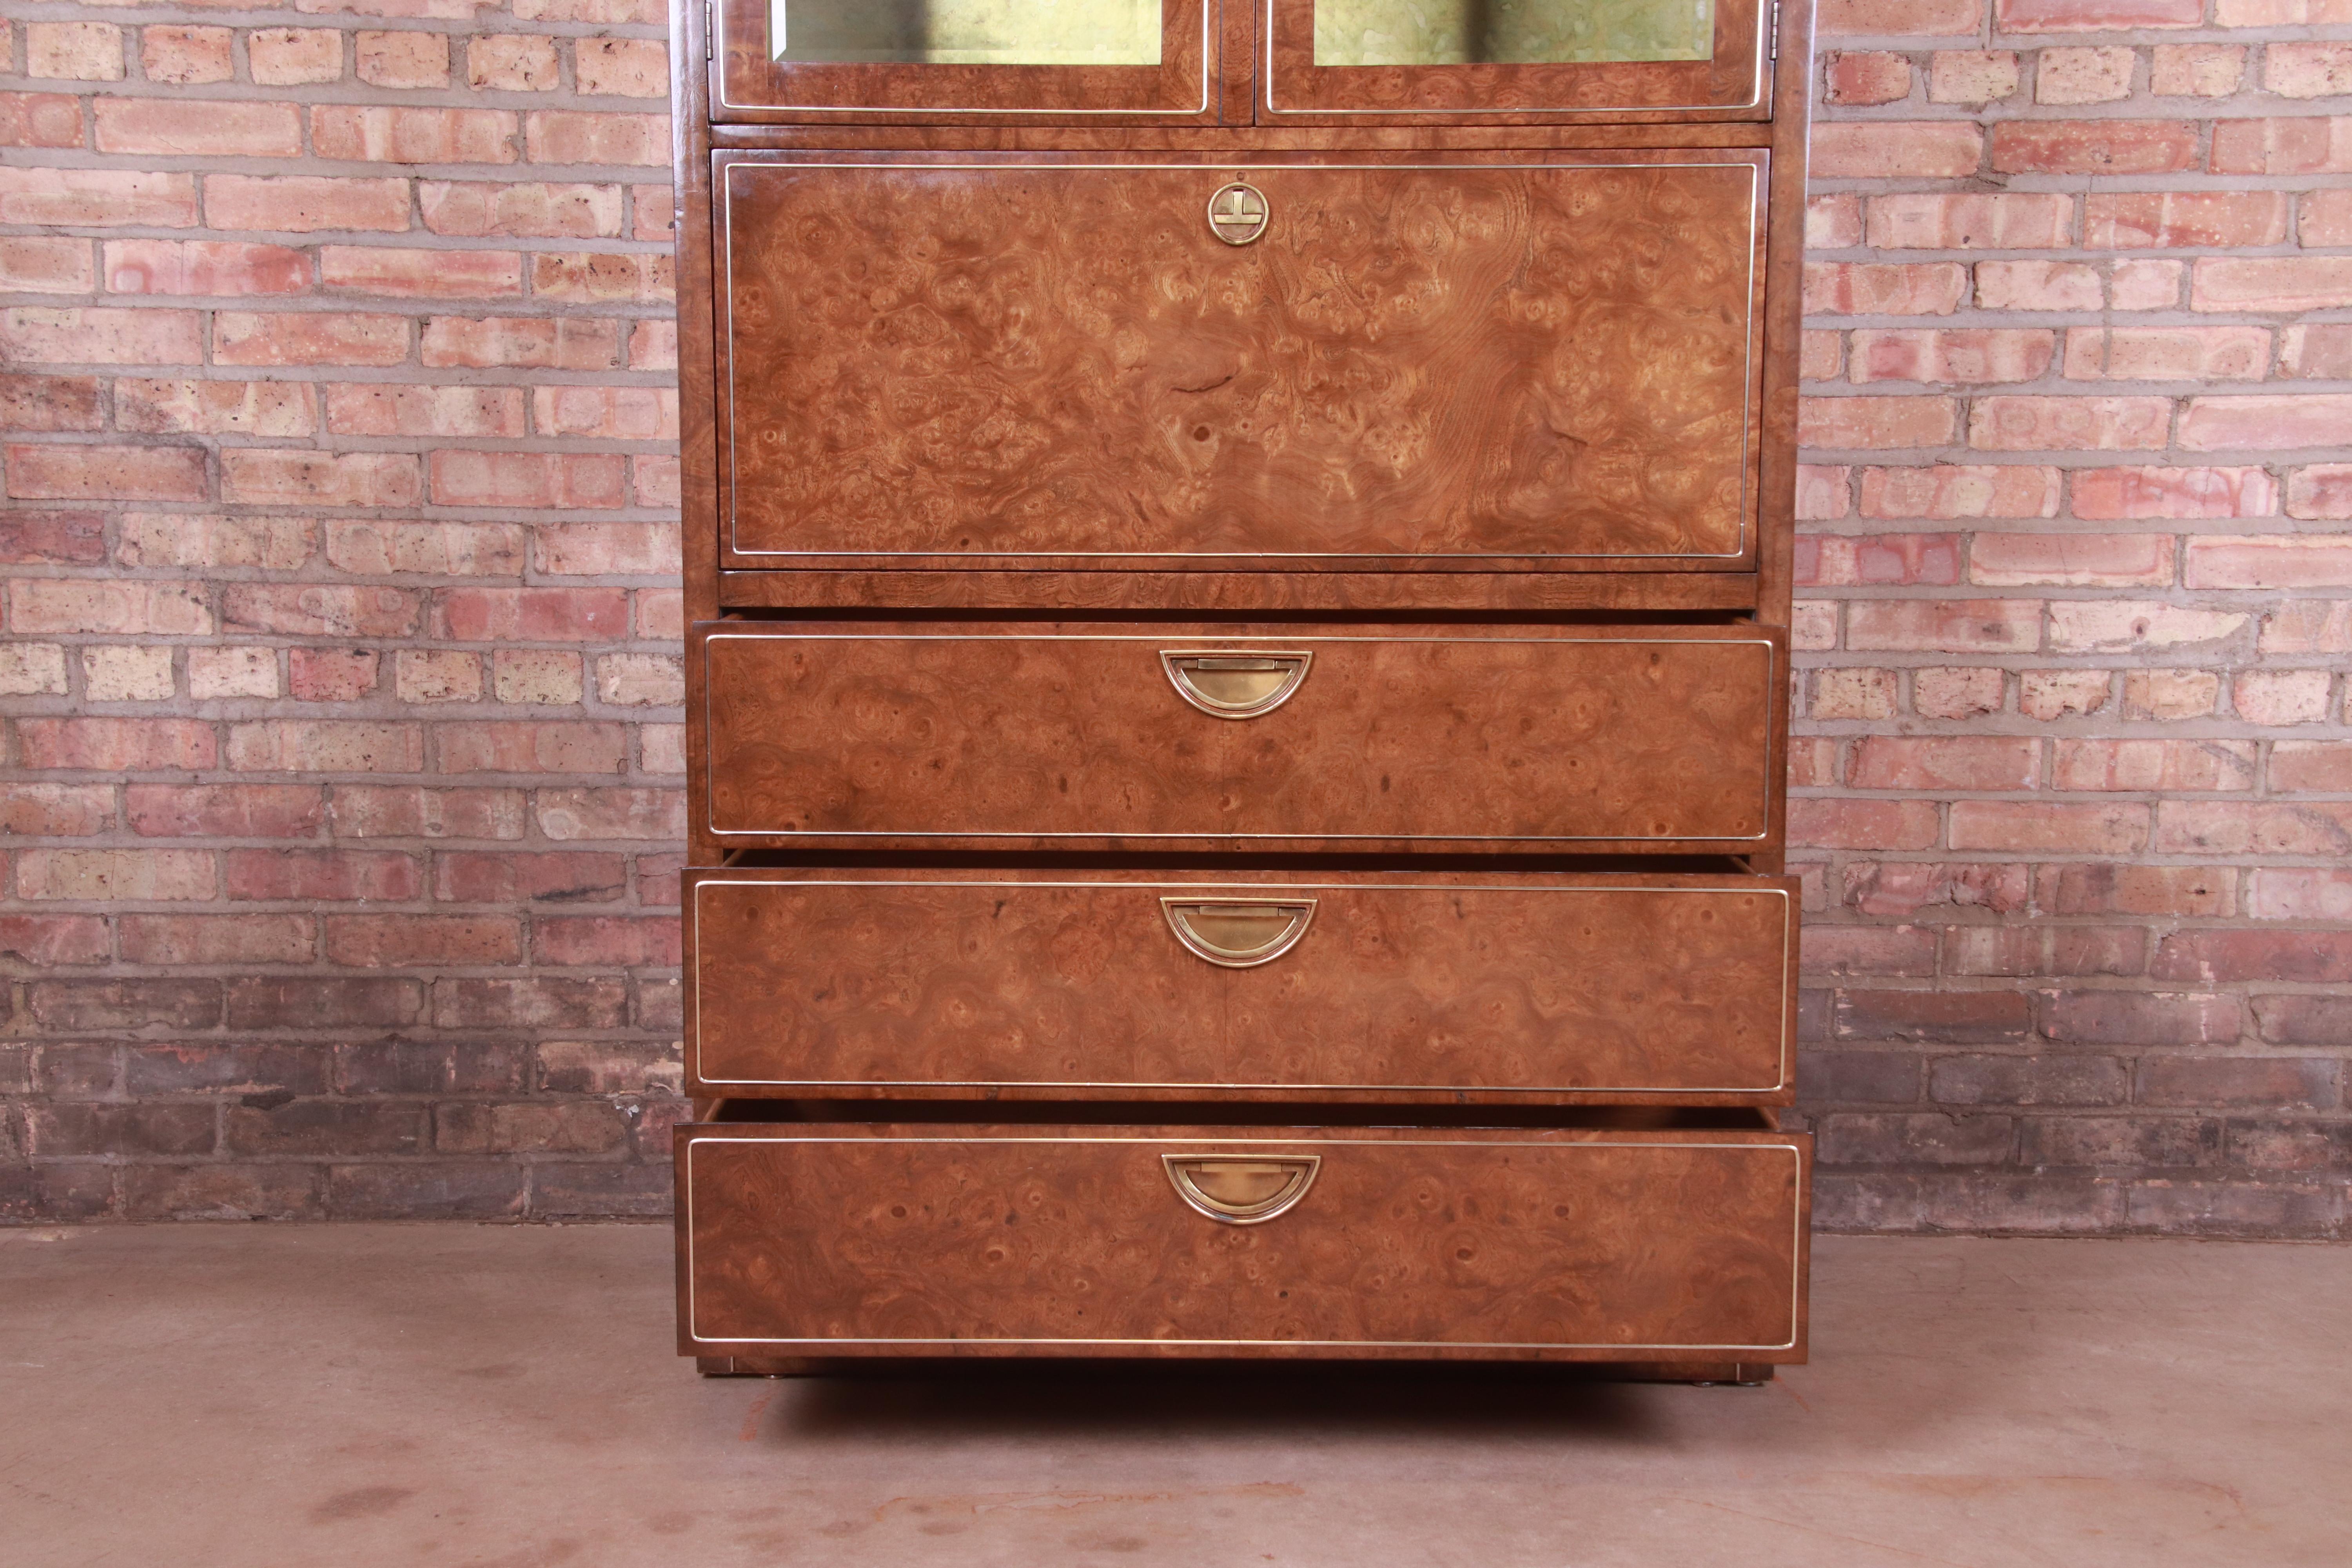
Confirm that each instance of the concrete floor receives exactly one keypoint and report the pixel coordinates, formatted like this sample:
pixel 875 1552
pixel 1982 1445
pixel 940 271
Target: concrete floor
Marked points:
pixel 505 1398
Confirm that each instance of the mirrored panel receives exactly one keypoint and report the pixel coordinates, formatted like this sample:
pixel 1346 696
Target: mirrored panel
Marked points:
pixel 1511 32
pixel 965 32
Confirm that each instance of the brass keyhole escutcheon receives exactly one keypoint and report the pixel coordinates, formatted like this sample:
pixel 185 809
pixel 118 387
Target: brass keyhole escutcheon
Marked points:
pixel 1237 212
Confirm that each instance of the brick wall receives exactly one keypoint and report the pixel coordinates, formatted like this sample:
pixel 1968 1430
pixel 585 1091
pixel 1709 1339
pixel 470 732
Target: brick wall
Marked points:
pixel 341 808
pixel 2075 782
pixel 340 654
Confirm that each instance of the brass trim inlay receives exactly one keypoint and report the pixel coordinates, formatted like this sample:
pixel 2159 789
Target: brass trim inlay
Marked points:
pixel 1241 1189
pixel 1772 1144
pixel 1236 683
pixel 1238 933
pixel 1237 212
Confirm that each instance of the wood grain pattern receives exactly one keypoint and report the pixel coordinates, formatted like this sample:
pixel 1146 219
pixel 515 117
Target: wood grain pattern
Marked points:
pixel 1734 82
pixel 1247 593
pixel 1574 987
pixel 1038 364
pixel 1657 738
pixel 1595 1244
pixel 1185 87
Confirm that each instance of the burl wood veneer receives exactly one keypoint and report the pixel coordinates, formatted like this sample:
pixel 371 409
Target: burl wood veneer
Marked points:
pixel 1440 359
pixel 1561 988
pixel 1659 738
pixel 1591 1245
pixel 1160 695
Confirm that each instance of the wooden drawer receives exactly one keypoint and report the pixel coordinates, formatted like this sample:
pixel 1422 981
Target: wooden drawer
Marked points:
pixel 1543 738
pixel 1124 985
pixel 811 1239
pixel 1543 361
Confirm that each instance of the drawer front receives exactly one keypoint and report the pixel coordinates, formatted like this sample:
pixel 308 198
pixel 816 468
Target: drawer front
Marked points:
pixel 1645 739
pixel 1598 1246
pixel 1462 363
pixel 1104 986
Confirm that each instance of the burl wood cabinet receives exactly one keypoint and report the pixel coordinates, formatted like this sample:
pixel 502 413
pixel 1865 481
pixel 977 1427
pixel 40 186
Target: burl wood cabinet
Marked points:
pixel 1239 562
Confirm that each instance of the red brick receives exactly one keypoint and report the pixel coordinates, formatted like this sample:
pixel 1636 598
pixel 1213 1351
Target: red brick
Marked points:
pixel 2271 283
pixel 2071 560
pixel 2163 766
pixel 1883 149
pixel 55 810
pixel 572 815
pixel 511 62
pixel 482 209
pixel 2275 560
pixel 2315 70
pixel 2040 826
pixel 1883 559
pixel 1971 75
pixel 1943 491
pixel 1944 626
pixel 1950 355
pixel 545 747
pixel 408 942
pixel 606 413
pixel 2197 70
pixel 188 539
pixel 2029 423
pixel 403 59
pixel 2038 286
pixel 145 874
pixel 2302 1021
pixel 2111 625
pixel 592 277
pixel 523 342
pixel 69 1129
pixel 574 136
pixel 2094 16
pixel 325 745
pixel 297 876
pixel 1833 222
pixel 2041 949
pixel 40 605
pixel 2167 353
pixel 106 473
pixel 1821 356
pixel 330 674
pixel 1946 1018
pixel 549 876
pixel 376 547
pixel 1823 491
pixel 293 57
pixel 39 120
pixel 188 127
pixel 1866 77
pixel 184 56
pixel 1877 17
pixel 2305 145
pixel 420 273
pixel 1840 950
pixel 661 613
pixel 1946 762
pixel 2142 219
pixel 268 410
pixel 1922 221
pixel 2321 349
pixel 1869 288
pixel 381 811
pixel 218 938
pixel 2271 1083
pixel 349 132
pixel 2101 494
pixel 97 199
pixel 340 1001
pixel 223 811
pixel 50 403
pixel 2094 74
pixel 1862 823
pixel 47 939
pixel 536 1002
pixel 470 477
pixel 1900 888
pixel 308 338
pixel 2325 217
pixel 653 211
pixel 622 68
pixel 604 939
pixel 2094 146
pixel 258 478
pixel 2259 421
pixel 33 264
pixel 32 334
pixel 375 408
pixel 1867 423
pixel 657 481
pixel 53 538
pixel 306 204
pixel 2319 766
pixel 608 549
pixel 204 267
pixel 532 615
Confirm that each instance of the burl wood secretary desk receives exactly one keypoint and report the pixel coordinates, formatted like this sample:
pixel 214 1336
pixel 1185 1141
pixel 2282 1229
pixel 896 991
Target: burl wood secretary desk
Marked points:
pixel 1238 554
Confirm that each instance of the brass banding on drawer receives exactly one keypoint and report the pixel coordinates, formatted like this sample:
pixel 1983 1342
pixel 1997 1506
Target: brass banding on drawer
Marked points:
pixel 1107 983
pixel 957 1240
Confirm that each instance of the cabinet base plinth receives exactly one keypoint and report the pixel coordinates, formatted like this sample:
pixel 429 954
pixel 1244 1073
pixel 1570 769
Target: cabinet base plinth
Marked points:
pixel 1704 1374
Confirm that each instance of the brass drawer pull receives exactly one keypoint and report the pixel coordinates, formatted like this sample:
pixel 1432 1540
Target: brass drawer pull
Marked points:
pixel 1238 933
pixel 1241 685
pixel 1241 1190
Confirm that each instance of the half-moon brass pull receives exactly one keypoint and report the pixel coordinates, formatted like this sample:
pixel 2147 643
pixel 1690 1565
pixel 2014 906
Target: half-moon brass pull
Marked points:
pixel 1237 684
pixel 1238 933
pixel 1241 1189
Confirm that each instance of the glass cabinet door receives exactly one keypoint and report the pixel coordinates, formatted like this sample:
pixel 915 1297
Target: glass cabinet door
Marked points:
pixel 1512 59
pixel 947 60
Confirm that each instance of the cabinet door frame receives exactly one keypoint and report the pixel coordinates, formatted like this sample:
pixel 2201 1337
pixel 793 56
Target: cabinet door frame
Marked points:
pixel 1204 43
pixel 1293 91
pixel 1743 559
